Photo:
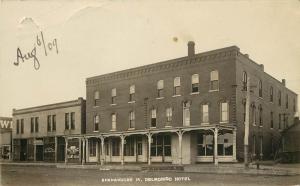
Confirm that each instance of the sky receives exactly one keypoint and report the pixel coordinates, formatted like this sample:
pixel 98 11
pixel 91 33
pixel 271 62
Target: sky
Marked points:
pixel 66 42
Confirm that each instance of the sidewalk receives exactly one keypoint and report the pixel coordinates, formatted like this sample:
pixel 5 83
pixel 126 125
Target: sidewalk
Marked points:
pixel 226 168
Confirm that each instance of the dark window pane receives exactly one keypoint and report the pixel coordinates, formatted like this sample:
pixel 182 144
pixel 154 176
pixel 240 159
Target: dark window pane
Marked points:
pixel 220 149
pixel 209 150
pixel 167 150
pixel 228 149
pixel 201 150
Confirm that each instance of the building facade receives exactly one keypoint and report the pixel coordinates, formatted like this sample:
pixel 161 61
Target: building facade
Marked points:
pixel 186 110
pixel 49 132
pixel 6 126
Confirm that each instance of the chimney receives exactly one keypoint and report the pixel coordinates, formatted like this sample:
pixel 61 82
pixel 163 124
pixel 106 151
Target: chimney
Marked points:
pixel 283 82
pixel 191 48
pixel 247 55
pixel 262 67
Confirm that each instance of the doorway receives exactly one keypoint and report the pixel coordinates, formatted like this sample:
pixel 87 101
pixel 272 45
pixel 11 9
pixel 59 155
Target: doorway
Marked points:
pixel 23 151
pixel 39 152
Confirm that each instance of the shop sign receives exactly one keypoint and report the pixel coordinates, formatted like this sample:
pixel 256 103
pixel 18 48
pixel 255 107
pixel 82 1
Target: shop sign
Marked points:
pixel 38 142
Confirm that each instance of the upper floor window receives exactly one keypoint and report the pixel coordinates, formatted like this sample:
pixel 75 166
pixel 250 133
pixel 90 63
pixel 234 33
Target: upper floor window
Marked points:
pixel 18 127
pixel 205 114
pixel 53 122
pixel 186 113
pixel 131 92
pixel 245 80
pixel 253 114
pixel 153 118
pixel 177 86
pixel 67 121
pixel 279 98
pixel 271 94
pixel 160 88
pixel 113 121
pixel 113 95
pixel 214 80
pixel 195 83
pixel 271 120
pixel 22 126
pixel 224 111
pixel 72 120
pixel 286 101
pixel 131 119
pixel 169 115
pixel 294 105
pixel 48 123
pixel 96 122
pixel 279 121
pixel 260 116
pixel 260 94
pixel 96 98
pixel 36 124
pixel 32 125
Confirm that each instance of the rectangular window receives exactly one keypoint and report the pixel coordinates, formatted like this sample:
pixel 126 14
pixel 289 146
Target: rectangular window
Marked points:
pixel 160 88
pixel 113 95
pixel 129 147
pixel 96 98
pixel 139 146
pixel 286 101
pixel 260 116
pixel 131 119
pixel 153 118
pixel 113 122
pixel 72 120
pixel 31 125
pixel 54 123
pixel 169 115
pixel 177 86
pixel 186 113
pixel 131 93
pixel 205 144
pixel 36 124
pixel 205 114
pixel 271 122
pixel 18 126
pixel 96 123
pixel 48 123
pixel 279 121
pixel 271 94
pixel 260 89
pixel 92 148
pixel 214 80
pixel 195 83
pixel 254 145
pixel 161 145
pixel 115 147
pixel 22 126
pixel 107 148
pixel 294 105
pixel 224 112
pixel 254 115
pixel 279 98
pixel 67 123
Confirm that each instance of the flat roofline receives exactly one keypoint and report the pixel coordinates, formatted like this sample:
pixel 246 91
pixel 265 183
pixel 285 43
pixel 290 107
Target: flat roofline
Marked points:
pixel 166 61
pixel 43 107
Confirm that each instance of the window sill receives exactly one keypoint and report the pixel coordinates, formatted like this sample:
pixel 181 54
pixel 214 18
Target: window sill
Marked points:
pixel 223 122
pixel 168 126
pixel 160 98
pixel 176 96
pixel 152 127
pixel 204 123
pixel 113 130
pixel 194 93
pixel 96 131
pixel 131 101
pixel 131 129
pixel 113 104
pixel 95 106
pixel 214 90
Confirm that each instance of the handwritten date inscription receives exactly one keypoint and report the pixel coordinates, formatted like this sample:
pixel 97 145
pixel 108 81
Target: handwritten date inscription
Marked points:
pixel 40 42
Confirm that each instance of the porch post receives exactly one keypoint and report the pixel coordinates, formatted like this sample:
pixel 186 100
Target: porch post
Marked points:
pixel 234 144
pixel 216 146
pixel 149 148
pixel 180 133
pixel 55 150
pixel 122 149
pixel 80 147
pixel 34 149
pixel 66 150
pixel 86 150
pixel 102 151
pixel 83 151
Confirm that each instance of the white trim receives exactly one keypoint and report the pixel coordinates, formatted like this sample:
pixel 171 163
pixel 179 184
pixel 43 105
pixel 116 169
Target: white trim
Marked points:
pixel 176 96
pixel 131 101
pixel 194 93
pixel 160 98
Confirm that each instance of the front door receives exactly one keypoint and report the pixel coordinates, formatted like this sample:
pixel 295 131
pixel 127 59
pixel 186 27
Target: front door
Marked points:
pixel 139 148
pixel 61 149
pixel 23 151
pixel 39 152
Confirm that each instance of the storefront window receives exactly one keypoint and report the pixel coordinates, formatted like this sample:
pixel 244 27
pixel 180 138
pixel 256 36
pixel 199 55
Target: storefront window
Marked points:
pixel 161 145
pixel 92 144
pixel 129 147
pixel 115 147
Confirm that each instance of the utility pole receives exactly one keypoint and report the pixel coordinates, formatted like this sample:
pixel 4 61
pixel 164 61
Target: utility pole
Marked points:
pixel 247 121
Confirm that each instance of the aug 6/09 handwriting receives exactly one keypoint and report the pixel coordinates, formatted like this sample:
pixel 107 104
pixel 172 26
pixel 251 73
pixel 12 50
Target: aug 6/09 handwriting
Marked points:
pixel 47 46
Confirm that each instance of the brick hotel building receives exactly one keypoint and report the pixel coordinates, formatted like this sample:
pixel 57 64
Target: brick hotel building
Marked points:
pixel 186 110
pixel 181 111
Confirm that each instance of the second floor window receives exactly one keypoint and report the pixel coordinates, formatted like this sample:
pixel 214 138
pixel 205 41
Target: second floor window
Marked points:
pixel 294 105
pixel 31 125
pixel 271 94
pixel 22 126
pixel 96 123
pixel 260 116
pixel 224 112
pixel 195 83
pixel 96 98
pixel 67 123
pixel 260 94
pixel 131 93
pixel 113 122
pixel 131 119
pixel 177 86
pixel 214 80
pixel 271 120
pixel 153 118
pixel 72 120
pixel 49 123
pixel 53 122
pixel 286 101
pixel 36 124
pixel 160 88
pixel 279 98
pixel 113 95
pixel 245 81
pixel 18 127
pixel 169 115
pixel 279 121
pixel 205 114
pixel 253 114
